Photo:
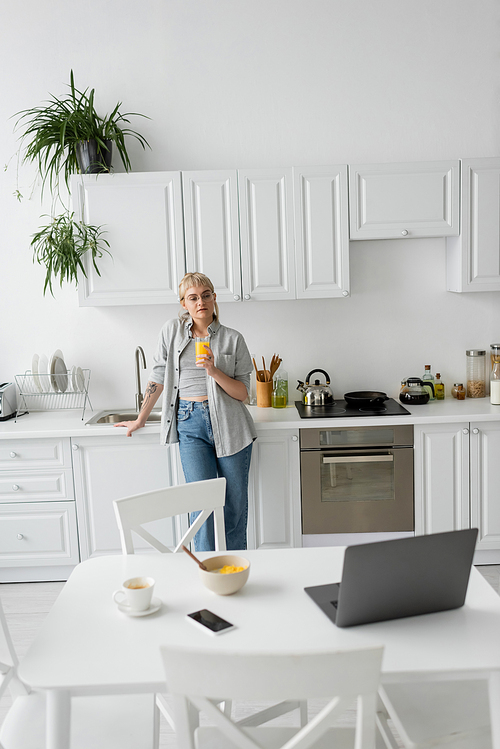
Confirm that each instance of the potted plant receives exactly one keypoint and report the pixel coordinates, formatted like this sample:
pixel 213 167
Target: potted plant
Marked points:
pixel 61 245
pixel 65 134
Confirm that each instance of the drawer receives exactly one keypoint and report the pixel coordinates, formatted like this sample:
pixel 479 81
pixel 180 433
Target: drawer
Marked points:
pixel 36 486
pixel 53 452
pixel 38 533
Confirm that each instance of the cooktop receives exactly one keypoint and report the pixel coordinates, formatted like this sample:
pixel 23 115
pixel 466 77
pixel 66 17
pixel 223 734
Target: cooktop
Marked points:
pixel 340 409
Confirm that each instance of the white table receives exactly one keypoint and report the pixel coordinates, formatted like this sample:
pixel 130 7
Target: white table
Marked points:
pixel 87 646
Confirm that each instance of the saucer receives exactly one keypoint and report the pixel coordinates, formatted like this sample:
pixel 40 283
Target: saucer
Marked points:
pixel 154 606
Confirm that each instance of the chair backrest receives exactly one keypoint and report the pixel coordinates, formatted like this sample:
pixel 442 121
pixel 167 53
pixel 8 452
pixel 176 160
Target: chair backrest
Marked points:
pixel 201 677
pixel 8 660
pixel 205 496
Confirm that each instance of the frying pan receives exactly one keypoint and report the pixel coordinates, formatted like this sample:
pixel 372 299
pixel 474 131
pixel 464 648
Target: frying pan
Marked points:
pixel 365 398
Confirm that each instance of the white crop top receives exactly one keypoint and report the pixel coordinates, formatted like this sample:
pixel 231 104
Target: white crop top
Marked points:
pixel 192 379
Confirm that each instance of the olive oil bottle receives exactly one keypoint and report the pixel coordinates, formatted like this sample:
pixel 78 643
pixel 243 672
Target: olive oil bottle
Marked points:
pixel 439 388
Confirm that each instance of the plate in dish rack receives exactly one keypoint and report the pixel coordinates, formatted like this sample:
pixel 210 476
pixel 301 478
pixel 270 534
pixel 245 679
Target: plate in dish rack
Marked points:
pixel 43 373
pixel 34 372
pixel 58 375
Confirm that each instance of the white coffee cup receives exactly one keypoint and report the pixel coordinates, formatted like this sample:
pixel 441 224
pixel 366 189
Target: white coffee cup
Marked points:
pixel 136 593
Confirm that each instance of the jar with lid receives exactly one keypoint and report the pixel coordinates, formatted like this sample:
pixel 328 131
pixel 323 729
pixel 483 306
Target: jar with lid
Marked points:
pixel 414 393
pixel 458 391
pixel 476 373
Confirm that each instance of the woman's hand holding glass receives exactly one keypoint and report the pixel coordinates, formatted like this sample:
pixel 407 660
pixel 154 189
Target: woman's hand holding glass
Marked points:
pixel 206 360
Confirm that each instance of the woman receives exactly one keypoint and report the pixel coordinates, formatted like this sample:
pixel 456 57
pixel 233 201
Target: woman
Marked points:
pixel 203 404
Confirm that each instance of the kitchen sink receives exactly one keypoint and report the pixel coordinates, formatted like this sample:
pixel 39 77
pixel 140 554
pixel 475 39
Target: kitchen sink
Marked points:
pixel 117 415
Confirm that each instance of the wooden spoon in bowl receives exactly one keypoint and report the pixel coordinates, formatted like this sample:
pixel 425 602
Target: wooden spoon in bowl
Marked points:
pixel 200 564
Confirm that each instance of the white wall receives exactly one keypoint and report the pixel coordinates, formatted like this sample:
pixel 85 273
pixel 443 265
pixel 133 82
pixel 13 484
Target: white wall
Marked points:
pixel 249 83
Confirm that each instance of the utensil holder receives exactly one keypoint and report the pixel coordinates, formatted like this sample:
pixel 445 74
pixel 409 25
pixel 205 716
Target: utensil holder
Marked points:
pixel 264 394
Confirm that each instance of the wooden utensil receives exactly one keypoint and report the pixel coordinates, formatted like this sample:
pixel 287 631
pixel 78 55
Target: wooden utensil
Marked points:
pixel 200 564
pixel 264 368
pixel 256 371
pixel 275 362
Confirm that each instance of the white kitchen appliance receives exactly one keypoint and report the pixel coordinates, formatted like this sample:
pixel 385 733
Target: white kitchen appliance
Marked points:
pixel 8 401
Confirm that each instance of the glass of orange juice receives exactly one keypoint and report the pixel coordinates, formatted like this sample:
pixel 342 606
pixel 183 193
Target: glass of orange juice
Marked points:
pixel 201 347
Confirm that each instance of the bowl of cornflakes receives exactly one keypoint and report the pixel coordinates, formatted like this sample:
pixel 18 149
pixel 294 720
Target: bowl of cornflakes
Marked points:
pixel 225 574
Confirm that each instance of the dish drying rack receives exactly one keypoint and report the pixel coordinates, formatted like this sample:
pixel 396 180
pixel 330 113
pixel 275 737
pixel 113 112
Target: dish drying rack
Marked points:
pixel 70 393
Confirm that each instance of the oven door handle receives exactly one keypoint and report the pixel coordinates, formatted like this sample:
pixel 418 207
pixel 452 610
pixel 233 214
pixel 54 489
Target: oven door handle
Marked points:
pixel 359 459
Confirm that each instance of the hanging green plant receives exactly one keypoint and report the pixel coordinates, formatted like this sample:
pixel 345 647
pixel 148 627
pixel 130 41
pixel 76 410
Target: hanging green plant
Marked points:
pixel 61 245
pixel 55 134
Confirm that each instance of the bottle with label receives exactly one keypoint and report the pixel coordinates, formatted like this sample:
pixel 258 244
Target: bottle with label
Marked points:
pixel 439 388
pixel 280 388
pixel 428 381
pixel 495 384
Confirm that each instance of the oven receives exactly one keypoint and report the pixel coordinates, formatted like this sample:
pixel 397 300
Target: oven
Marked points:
pixel 356 484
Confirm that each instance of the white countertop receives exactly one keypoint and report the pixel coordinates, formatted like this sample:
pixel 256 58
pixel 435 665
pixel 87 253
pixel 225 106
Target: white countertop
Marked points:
pixel 70 424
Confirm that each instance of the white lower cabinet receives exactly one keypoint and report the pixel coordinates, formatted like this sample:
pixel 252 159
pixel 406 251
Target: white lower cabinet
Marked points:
pixel 441 477
pixel 274 520
pixel 108 468
pixel 485 483
pixel 38 533
pixel 38 523
pixel 457 475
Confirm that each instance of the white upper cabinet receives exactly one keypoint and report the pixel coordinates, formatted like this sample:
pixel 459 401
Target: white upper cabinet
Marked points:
pixel 141 214
pixel 321 231
pixel 266 228
pixel 473 258
pixel 389 201
pixel 212 230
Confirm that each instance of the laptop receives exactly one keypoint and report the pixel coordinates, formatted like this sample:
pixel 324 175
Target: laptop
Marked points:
pixel 399 578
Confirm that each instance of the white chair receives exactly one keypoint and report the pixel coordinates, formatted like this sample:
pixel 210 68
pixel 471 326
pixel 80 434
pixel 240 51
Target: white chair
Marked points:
pixel 103 722
pixel 133 512
pixel 454 714
pixel 200 678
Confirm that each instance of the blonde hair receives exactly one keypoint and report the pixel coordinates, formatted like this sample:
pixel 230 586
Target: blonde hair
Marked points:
pixel 190 280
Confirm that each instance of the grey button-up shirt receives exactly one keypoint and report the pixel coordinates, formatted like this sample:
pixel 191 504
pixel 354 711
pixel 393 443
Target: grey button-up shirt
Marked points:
pixel 232 425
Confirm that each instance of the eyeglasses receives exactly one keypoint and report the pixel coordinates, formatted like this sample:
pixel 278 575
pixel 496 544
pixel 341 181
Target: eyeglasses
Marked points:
pixel 207 296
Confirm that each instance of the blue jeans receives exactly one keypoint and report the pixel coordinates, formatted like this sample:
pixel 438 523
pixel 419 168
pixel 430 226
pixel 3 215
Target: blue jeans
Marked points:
pixel 199 462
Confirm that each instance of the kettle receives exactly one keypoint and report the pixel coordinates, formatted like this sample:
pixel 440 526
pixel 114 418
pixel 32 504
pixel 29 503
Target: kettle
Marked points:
pixel 318 394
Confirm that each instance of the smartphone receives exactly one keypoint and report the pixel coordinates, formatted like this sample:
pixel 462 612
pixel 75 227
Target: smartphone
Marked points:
pixel 210 622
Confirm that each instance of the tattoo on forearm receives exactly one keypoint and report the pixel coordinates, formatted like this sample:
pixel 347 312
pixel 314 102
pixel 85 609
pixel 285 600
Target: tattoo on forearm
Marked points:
pixel 151 388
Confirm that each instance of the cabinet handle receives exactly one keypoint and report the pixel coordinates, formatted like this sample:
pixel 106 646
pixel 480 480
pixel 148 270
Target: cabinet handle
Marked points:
pixel 465 431
pixel 15 487
pixel 345 293
pixel 20 536
pixel 236 297
pixel 247 297
pixel 75 447
pixel 13 454
pixel 295 438
pixel 405 232
pixel 475 431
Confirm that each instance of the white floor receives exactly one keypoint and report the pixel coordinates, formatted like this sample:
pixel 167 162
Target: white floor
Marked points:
pixel 27 604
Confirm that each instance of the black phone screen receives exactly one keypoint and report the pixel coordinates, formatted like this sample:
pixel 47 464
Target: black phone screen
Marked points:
pixel 210 620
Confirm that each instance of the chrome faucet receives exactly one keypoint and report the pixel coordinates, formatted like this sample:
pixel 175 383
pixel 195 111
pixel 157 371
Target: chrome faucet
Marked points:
pixel 139 353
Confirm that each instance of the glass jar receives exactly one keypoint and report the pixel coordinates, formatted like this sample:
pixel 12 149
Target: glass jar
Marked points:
pixel 458 391
pixel 414 393
pixel 476 373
